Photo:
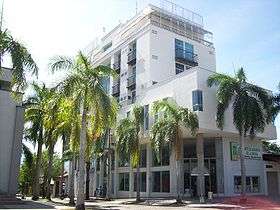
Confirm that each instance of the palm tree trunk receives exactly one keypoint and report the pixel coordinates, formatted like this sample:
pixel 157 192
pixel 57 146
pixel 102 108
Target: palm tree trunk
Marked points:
pixel 71 182
pixel 109 188
pixel 178 157
pixel 36 185
pixel 60 190
pixel 87 180
pixel 80 205
pixel 49 174
pixel 242 164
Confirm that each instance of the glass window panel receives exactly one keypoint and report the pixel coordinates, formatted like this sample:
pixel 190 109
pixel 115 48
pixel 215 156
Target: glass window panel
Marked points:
pixel 197 100
pixel 143 156
pixel 143 182
pixel 146 117
pixel 179 68
pixel 126 184
pixel 255 184
pixel 165 155
pixel 156 181
pixel 165 181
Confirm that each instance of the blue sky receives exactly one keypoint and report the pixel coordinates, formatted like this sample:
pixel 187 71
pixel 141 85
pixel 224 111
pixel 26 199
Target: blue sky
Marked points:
pixel 246 32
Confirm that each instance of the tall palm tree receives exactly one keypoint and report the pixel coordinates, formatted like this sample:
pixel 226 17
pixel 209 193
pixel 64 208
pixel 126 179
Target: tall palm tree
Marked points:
pixel 251 107
pixel 128 144
pixel 276 104
pixel 34 118
pixel 98 109
pixel 166 130
pixel 51 123
pixel 22 61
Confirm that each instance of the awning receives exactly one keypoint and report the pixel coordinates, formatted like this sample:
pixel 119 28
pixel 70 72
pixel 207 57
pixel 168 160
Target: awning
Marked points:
pixel 195 171
pixel 271 157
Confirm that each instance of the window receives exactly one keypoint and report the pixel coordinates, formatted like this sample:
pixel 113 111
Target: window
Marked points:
pixel 142 181
pixel 113 160
pixel 163 157
pixel 161 181
pixel 123 160
pixel 124 182
pixel 143 156
pixel 133 96
pixel 197 100
pixel 252 184
pixel 179 68
pixel 98 164
pixel 146 117
pixel 183 50
pixel 107 46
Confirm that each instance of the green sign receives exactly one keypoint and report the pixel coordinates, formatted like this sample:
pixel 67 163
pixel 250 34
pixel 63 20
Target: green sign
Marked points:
pixel 251 152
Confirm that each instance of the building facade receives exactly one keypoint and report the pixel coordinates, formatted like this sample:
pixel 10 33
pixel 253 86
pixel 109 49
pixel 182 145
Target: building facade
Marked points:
pixel 11 130
pixel 162 54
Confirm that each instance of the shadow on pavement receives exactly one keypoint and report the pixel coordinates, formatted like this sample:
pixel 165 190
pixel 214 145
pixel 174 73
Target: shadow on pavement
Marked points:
pixel 26 205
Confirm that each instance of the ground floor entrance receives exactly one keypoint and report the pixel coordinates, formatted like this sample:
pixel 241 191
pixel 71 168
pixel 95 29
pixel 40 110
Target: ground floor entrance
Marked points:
pixel 272 181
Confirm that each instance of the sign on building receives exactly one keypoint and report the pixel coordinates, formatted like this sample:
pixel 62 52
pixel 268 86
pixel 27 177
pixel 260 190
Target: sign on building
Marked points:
pixel 251 152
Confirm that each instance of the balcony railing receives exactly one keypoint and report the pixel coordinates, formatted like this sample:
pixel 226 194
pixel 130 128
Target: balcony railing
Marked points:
pixel 116 89
pixel 117 66
pixel 131 100
pixel 186 57
pixel 131 81
pixel 131 57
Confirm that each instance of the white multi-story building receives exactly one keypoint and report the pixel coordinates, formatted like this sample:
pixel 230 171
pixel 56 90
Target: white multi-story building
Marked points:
pixel 158 54
pixel 11 129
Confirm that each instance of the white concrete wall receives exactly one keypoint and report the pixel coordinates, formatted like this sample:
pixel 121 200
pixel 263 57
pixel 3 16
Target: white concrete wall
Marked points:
pixel 11 126
pixel 232 168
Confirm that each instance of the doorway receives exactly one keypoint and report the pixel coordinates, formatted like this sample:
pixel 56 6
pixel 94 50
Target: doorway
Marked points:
pixel 272 183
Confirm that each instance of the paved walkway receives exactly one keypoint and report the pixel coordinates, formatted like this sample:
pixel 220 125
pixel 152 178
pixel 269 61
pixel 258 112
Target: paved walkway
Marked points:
pixel 256 203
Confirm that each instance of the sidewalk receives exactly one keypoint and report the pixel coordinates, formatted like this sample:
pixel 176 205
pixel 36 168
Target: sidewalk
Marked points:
pixel 256 203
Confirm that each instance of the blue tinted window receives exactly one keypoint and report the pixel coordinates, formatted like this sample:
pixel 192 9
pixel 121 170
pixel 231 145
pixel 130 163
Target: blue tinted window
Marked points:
pixel 197 100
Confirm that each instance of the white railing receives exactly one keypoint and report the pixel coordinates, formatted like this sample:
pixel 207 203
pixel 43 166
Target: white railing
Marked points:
pixel 174 9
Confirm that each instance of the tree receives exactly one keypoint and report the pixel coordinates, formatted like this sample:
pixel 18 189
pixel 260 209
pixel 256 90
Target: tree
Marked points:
pixel 22 61
pixel 276 103
pixel 251 107
pixel 26 171
pixel 36 108
pixel 128 144
pixel 167 130
pixel 271 147
pixel 52 131
pixel 98 109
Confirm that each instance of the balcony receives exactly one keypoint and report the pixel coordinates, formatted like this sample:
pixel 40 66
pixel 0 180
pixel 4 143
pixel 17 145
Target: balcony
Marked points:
pixel 131 57
pixel 116 89
pixel 117 66
pixel 131 99
pixel 186 57
pixel 131 81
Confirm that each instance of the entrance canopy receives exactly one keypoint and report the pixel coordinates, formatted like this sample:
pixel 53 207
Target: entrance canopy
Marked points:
pixel 271 157
pixel 195 171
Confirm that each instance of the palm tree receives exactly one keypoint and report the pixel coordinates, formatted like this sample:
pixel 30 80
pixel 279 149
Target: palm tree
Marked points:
pixel 22 61
pixel 52 132
pixel 276 104
pixel 98 109
pixel 34 118
pixel 251 107
pixel 128 144
pixel 166 130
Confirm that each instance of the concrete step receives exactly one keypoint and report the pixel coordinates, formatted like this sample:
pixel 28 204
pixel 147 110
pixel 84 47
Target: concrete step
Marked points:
pixel 8 199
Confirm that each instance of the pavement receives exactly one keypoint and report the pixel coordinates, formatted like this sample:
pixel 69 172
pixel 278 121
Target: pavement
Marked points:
pixel 253 203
